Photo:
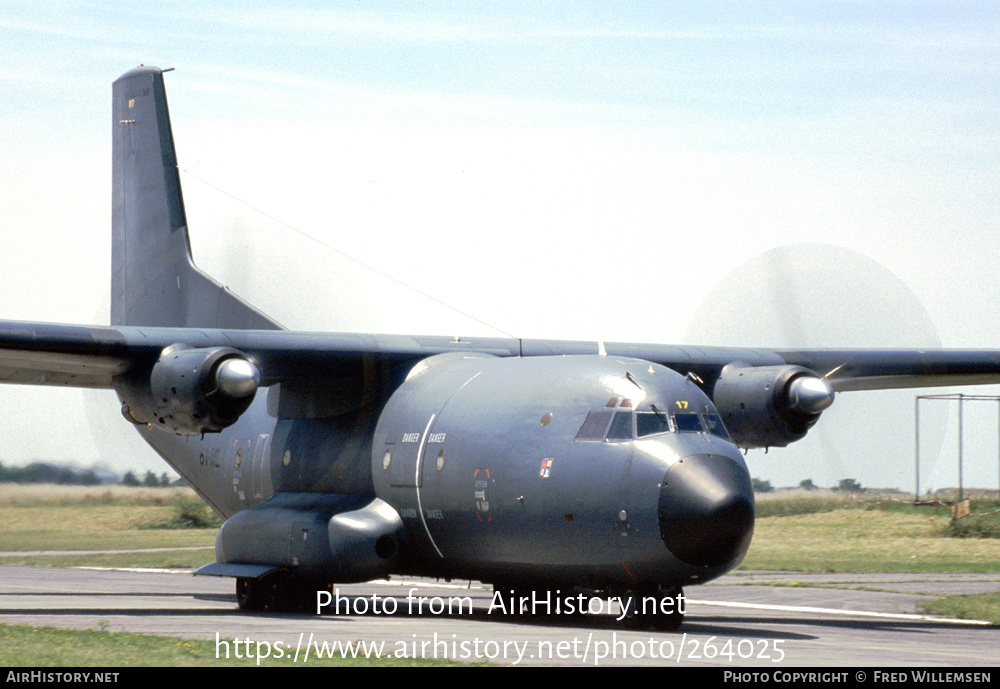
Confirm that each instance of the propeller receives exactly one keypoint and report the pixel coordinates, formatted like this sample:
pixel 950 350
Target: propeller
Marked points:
pixel 810 296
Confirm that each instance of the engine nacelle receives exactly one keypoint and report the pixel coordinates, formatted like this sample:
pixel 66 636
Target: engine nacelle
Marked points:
pixel 770 406
pixel 195 391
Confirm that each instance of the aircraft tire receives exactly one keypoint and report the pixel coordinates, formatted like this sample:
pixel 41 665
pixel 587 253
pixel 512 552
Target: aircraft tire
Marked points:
pixel 292 596
pixel 251 594
pixel 274 592
pixel 667 618
pixel 670 621
pixel 633 618
pixel 515 591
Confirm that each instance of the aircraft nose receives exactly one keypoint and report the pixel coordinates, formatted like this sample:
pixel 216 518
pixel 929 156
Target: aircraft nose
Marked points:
pixel 706 510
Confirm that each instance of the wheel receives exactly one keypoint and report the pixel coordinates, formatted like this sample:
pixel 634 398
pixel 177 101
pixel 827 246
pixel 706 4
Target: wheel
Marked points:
pixel 670 614
pixel 667 615
pixel 291 595
pixel 251 594
pixel 275 592
pixel 515 598
pixel 633 617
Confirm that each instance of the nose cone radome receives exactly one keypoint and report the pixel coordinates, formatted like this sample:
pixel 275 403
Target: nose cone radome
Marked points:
pixel 706 510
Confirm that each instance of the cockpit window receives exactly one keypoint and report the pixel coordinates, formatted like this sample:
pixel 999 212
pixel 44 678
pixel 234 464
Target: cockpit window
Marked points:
pixel 715 426
pixel 607 425
pixel 651 423
pixel 621 426
pixel 617 426
pixel 595 425
pixel 688 423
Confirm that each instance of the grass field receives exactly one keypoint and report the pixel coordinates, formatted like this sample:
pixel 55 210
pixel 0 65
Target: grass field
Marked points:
pixel 73 518
pixel 820 531
pixel 23 646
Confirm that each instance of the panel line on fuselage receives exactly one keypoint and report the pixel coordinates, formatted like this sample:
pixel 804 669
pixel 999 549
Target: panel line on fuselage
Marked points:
pixel 416 481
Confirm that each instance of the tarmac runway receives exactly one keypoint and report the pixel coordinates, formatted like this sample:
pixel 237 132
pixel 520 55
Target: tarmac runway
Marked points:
pixel 760 620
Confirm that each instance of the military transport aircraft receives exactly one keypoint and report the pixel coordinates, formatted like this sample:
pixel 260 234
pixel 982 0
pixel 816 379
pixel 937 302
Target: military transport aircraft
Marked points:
pixel 600 468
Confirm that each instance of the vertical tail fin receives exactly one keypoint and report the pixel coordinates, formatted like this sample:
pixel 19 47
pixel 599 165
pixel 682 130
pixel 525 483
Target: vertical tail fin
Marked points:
pixel 153 278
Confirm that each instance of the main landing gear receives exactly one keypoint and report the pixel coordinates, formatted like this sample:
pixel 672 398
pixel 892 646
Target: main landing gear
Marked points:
pixel 275 593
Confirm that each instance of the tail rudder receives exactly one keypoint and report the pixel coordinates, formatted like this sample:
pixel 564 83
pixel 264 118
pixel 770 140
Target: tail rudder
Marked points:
pixel 154 280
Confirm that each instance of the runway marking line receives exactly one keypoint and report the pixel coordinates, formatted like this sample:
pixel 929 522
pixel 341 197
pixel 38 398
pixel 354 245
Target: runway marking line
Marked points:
pixel 835 611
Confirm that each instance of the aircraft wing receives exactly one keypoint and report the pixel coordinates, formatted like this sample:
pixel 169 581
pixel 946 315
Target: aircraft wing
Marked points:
pixel 72 356
pixel 92 356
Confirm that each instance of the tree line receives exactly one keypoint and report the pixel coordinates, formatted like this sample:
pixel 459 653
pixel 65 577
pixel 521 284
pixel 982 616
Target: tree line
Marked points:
pixel 44 472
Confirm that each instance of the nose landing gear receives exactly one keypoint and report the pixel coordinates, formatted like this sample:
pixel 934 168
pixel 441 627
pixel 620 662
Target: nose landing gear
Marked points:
pixel 653 607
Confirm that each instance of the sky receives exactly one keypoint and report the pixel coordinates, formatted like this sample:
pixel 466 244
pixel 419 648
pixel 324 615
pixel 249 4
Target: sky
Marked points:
pixel 761 174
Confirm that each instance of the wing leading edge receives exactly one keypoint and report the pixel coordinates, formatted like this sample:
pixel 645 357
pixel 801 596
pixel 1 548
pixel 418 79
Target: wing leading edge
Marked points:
pixel 93 356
